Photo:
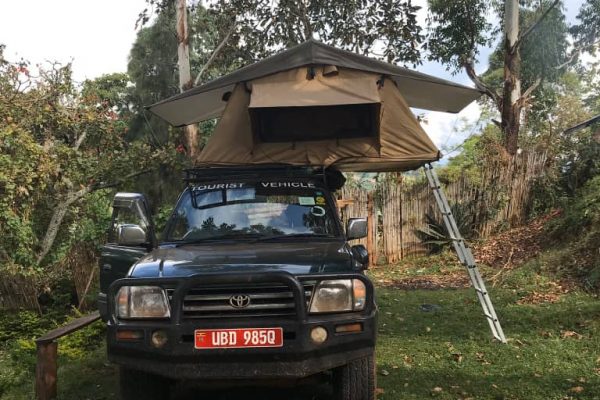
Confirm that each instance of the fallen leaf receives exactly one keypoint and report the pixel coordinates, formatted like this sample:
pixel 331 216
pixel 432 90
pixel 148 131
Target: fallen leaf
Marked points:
pixel 379 391
pixel 457 357
pixel 576 389
pixel 569 334
pixel 384 372
pixel 437 389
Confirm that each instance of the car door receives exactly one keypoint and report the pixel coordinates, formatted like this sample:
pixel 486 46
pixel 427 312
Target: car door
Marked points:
pixel 130 237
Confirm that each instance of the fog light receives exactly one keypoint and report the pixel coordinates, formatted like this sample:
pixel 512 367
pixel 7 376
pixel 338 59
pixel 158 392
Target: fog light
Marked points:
pixel 318 334
pixel 129 335
pixel 159 338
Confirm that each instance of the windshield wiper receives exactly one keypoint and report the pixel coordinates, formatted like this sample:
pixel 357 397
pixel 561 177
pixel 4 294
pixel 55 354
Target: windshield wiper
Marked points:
pixel 227 236
pixel 294 235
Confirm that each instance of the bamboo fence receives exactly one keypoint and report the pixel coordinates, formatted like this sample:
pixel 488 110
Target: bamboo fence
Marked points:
pixel 501 198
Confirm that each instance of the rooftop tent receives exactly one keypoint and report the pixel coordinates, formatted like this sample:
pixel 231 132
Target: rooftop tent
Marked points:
pixel 321 106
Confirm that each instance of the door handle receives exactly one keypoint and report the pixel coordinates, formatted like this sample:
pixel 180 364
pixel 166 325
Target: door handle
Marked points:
pixel 106 267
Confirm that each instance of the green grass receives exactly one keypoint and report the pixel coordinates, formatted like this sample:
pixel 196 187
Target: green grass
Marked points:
pixel 446 353
pixel 451 348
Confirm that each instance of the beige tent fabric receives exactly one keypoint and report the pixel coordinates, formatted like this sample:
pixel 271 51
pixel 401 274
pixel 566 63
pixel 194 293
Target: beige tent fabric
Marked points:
pixel 344 87
pixel 419 90
pixel 402 143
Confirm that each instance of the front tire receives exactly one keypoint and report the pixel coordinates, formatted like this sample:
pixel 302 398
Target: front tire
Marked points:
pixel 138 385
pixel 355 380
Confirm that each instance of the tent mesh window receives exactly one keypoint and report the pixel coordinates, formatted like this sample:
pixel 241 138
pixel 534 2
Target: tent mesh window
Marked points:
pixel 293 124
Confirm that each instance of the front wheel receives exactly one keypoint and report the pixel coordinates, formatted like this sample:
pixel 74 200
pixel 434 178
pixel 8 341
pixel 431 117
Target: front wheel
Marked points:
pixel 355 380
pixel 138 385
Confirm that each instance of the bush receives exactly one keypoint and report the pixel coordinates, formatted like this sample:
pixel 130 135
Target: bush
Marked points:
pixel 577 232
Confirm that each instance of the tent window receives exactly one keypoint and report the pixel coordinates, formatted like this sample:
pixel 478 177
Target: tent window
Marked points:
pixel 291 124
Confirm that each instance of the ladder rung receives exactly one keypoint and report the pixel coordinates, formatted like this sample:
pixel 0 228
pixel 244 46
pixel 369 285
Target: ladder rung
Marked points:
pixel 490 317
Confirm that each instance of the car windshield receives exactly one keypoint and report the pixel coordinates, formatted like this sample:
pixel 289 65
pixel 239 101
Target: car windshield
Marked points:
pixel 252 210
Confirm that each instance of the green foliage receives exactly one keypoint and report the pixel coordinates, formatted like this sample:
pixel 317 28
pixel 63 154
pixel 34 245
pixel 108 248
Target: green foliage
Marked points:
pixel 457 30
pixel 435 233
pixel 587 32
pixel 260 28
pixel 62 147
pixel 577 235
pixel 18 350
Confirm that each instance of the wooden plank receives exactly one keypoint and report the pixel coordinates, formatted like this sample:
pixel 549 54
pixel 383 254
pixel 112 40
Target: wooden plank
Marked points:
pixel 46 371
pixel 72 326
pixel 371 229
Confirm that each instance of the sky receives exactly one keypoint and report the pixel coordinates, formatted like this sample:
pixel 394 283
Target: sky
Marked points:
pixel 96 37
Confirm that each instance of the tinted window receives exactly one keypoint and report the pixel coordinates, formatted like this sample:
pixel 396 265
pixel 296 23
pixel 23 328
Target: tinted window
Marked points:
pixel 264 209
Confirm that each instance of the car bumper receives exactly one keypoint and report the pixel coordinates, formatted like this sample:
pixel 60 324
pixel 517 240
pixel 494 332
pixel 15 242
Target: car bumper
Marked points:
pixel 299 356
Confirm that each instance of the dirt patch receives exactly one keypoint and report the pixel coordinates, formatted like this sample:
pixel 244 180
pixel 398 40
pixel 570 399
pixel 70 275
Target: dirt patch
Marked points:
pixel 430 282
pixel 514 247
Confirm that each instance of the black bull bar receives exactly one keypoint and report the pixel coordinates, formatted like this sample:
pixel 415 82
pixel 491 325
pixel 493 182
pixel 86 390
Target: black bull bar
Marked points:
pixel 182 285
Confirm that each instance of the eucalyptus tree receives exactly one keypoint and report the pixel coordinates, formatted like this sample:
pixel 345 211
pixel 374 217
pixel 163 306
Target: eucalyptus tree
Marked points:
pixel 458 29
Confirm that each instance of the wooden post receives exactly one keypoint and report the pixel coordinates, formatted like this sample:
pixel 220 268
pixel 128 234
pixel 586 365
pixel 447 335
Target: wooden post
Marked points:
pixel 46 370
pixel 46 367
pixel 371 240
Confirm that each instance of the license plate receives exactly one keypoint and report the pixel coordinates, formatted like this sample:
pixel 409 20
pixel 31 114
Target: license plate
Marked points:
pixel 238 338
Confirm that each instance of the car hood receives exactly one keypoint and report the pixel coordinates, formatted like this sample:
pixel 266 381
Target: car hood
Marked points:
pixel 298 258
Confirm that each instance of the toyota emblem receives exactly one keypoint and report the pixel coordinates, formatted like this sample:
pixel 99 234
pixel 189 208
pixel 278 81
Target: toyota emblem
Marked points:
pixel 239 301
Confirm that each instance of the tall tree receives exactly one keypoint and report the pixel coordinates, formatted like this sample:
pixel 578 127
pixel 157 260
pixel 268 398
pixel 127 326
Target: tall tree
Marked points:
pixel 190 132
pixel 457 29
pixel 386 29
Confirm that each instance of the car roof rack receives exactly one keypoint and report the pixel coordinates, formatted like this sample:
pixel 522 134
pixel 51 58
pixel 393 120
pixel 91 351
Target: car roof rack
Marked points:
pixel 332 178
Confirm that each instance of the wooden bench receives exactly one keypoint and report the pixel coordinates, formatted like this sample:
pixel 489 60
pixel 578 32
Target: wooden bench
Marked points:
pixel 47 352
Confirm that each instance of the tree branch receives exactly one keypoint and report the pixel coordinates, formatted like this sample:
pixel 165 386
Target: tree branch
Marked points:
pixel 79 141
pixel 528 31
pixel 214 54
pixel 117 182
pixel 530 90
pixel 61 210
pixel 490 92
pixel 576 51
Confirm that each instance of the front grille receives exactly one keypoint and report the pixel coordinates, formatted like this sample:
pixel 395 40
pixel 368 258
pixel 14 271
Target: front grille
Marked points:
pixel 265 300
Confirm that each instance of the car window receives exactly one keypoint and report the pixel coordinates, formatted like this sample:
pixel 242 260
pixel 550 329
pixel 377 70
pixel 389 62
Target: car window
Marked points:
pixel 261 209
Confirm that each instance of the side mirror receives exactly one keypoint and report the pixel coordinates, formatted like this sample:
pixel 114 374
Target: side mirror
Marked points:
pixel 357 228
pixel 131 235
pixel 131 223
pixel 361 255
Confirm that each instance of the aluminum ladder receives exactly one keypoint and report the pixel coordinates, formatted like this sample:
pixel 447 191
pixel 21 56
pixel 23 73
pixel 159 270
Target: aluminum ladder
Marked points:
pixel 464 254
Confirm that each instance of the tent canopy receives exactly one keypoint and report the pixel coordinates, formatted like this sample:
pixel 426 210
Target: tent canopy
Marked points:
pixel 419 90
pixel 314 105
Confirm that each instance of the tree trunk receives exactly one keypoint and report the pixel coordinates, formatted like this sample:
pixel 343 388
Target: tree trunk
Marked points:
pixel 511 107
pixel 56 220
pixel 190 132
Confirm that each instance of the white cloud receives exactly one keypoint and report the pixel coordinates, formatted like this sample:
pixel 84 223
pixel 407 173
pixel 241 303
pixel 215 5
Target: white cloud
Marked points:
pixel 444 128
pixel 95 35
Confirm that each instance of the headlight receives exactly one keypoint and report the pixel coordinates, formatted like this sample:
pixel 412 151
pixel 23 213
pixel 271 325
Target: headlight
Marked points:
pixel 142 302
pixel 339 295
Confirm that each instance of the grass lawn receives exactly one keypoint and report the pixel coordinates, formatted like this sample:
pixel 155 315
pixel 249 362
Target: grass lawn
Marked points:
pixel 433 343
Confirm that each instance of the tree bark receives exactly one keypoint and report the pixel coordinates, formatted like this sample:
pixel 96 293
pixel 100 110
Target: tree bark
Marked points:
pixel 190 132
pixel 56 220
pixel 511 105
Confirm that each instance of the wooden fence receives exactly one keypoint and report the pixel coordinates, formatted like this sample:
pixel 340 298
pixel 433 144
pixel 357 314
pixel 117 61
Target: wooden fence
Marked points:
pixel 499 197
